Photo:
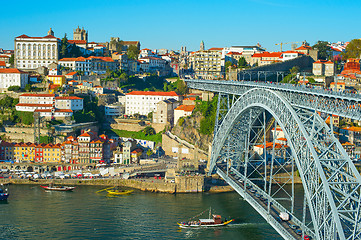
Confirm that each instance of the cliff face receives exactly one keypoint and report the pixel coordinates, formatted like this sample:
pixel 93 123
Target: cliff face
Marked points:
pixel 189 131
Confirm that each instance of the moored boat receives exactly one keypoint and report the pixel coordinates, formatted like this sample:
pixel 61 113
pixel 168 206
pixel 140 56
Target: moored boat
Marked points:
pixel 3 193
pixel 57 188
pixel 214 221
pixel 119 192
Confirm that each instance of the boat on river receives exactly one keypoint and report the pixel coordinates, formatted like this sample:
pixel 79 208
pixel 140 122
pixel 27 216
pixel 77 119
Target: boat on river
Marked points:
pixel 58 188
pixel 213 220
pixel 119 192
pixel 3 193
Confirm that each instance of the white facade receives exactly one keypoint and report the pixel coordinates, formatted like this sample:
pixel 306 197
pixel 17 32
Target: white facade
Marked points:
pixel 182 111
pixel 146 102
pixel 29 102
pixel 57 113
pixel 33 52
pixel 13 77
pixel 113 110
pixel 76 64
pixel 72 103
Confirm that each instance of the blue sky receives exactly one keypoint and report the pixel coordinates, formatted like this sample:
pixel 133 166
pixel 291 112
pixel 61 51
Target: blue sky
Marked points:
pixel 172 24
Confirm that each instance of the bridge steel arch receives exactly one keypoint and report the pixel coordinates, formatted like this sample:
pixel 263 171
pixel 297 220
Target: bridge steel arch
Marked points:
pixel 330 180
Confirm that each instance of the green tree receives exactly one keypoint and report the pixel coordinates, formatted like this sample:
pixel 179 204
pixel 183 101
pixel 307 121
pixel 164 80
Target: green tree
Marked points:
pixel 324 50
pixel 181 87
pixel 294 70
pixel 11 60
pixel 27 87
pixel 74 51
pixel 149 152
pixel 14 88
pixel 353 49
pixel 242 62
pixel 133 52
pixel 26 118
pixel 148 131
pixel 227 65
pixel 63 49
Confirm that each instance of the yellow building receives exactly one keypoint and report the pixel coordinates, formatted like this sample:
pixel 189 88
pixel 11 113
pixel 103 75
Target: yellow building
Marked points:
pixel 24 152
pixel 56 79
pixel 52 153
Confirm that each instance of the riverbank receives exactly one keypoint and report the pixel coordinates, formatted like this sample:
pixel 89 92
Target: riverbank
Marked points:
pixel 143 185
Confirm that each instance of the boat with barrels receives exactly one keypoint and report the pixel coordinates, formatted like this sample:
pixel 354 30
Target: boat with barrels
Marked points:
pixel 214 220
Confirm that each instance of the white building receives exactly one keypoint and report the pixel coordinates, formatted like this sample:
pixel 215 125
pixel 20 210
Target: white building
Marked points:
pixel 146 102
pixel 70 102
pixel 57 113
pixel 288 55
pixel 13 77
pixel 113 110
pixel 76 64
pixel 30 102
pixel 34 52
pixel 182 111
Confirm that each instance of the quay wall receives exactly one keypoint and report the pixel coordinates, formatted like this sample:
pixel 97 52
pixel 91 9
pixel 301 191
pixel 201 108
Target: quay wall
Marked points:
pixel 156 186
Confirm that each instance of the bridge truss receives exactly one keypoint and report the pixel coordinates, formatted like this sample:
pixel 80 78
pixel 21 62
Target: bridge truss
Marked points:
pixel 265 135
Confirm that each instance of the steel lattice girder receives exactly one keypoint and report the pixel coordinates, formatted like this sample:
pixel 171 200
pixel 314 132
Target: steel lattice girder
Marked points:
pixel 337 103
pixel 330 179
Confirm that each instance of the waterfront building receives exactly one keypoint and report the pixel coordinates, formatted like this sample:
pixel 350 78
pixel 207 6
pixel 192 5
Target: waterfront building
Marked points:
pixel 52 153
pixel 12 77
pixel 128 147
pixel 144 102
pixel 34 52
pixel 6 151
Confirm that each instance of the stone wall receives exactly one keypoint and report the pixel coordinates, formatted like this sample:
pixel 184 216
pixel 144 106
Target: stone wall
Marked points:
pixel 18 134
pixel 303 62
pixel 182 185
pixel 168 145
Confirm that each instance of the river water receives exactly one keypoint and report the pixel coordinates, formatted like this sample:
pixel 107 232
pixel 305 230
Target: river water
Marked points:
pixel 32 213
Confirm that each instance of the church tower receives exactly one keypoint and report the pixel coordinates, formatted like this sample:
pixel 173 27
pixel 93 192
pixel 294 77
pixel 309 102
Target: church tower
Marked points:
pixel 201 48
pixel 50 32
pixel 80 34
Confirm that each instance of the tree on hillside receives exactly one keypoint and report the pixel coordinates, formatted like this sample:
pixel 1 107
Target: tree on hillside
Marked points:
pixel 148 131
pixel 63 49
pixel 242 62
pixel 324 50
pixel 353 49
pixel 133 52
pixel 181 87
pixel 294 70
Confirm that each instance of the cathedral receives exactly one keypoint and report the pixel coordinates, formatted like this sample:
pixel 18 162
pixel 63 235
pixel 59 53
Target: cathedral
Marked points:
pixel 80 34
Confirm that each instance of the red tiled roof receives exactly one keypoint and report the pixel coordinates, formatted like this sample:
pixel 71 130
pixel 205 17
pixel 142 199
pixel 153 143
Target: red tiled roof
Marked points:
pixel 10 70
pixel 172 93
pixel 43 110
pixel 186 108
pixel 68 98
pixel 215 49
pixel 63 110
pixel 55 76
pixel 2 64
pixel 77 41
pixel 71 73
pixel 33 105
pixel 190 98
pixel 304 47
pixel 26 36
pixel 234 53
pixel 36 95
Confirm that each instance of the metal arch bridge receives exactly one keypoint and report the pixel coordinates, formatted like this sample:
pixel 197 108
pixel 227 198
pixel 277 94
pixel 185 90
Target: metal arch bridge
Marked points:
pixel 267 133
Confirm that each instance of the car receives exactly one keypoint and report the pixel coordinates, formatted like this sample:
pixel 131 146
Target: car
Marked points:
pixel 298 232
pixel 294 227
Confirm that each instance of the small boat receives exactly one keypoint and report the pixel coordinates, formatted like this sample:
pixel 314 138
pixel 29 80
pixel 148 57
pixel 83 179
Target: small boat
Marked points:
pixel 3 193
pixel 119 192
pixel 57 188
pixel 215 221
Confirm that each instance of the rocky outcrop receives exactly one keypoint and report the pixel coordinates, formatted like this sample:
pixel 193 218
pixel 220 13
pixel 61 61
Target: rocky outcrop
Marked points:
pixel 189 131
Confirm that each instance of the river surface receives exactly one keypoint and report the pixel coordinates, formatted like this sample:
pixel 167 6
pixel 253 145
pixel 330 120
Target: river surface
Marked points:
pixel 32 213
